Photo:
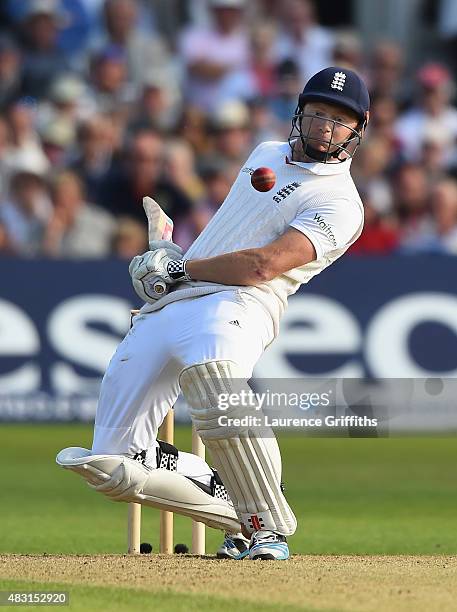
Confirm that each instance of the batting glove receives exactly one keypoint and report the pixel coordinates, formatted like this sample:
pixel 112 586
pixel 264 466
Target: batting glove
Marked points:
pixel 169 246
pixel 156 266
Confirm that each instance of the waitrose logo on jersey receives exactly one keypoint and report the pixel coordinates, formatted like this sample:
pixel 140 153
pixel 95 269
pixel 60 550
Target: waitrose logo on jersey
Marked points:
pixel 325 227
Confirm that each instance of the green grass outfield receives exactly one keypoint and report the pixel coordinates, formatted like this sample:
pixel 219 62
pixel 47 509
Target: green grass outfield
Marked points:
pixel 85 597
pixel 351 496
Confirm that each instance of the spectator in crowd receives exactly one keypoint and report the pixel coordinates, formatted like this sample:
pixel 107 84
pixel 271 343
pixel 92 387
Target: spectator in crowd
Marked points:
pixel 141 50
pixel 25 151
pixel 433 153
pixel 264 10
pixel 263 124
pixel 93 10
pixel 231 133
pixel 158 107
pixel 347 51
pixel 140 174
pixel 67 101
pixel 75 30
pixel 118 120
pixel 284 102
pixel 383 116
pixel 76 229
pixel 95 151
pixel 110 91
pixel 26 212
pixel 303 39
pixel 129 239
pixel 262 69
pixel 57 139
pixel 6 245
pixel 438 231
pixel 411 192
pixel 57 117
pixel 215 58
pixel 432 112
pixel 385 72
pixel 444 208
pixel 10 81
pixel 218 182
pixel 380 234
pixel 180 169
pixel 193 127
pixel 43 60
pixel 370 171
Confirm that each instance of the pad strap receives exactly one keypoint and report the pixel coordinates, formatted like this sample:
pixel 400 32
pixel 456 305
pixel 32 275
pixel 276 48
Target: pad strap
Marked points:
pixel 167 456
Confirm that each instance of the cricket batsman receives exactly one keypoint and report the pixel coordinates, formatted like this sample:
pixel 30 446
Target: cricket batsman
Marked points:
pixel 203 336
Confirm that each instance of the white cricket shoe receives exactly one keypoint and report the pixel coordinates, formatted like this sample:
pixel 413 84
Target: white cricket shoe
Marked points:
pixel 235 546
pixel 268 545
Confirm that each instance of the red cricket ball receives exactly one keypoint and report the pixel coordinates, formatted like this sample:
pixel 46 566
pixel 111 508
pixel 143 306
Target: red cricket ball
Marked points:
pixel 263 179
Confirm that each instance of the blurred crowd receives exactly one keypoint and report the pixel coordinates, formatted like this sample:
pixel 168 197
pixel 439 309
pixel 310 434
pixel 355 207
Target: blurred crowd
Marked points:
pixel 100 105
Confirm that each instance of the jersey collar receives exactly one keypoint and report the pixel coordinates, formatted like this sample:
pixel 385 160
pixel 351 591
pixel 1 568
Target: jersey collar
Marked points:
pixel 320 168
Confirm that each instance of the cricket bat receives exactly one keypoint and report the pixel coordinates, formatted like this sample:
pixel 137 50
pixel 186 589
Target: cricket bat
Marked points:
pixel 160 227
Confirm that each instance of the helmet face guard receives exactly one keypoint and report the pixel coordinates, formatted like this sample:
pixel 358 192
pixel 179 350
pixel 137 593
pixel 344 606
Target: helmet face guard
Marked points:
pixel 305 127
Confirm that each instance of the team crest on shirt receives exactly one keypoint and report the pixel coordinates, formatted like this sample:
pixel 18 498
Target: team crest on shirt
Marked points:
pixel 285 191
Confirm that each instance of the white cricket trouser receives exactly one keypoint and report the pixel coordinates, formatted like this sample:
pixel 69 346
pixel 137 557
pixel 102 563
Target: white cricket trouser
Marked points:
pixel 141 382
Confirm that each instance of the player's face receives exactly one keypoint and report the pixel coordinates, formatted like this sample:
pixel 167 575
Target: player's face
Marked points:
pixel 327 123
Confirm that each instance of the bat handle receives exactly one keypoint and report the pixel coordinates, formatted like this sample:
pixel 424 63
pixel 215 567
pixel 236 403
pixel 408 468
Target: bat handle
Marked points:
pixel 160 287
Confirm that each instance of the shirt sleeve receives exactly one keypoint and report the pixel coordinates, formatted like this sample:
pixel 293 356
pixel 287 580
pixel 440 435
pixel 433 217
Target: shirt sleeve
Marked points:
pixel 258 152
pixel 331 226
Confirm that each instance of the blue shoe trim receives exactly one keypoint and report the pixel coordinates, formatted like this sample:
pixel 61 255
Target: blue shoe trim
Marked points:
pixel 278 545
pixel 282 557
pixel 242 555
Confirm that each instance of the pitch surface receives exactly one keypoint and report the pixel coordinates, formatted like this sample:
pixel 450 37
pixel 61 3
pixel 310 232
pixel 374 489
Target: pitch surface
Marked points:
pixel 368 584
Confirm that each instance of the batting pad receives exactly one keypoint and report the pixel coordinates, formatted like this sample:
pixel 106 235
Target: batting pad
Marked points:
pixel 123 479
pixel 247 458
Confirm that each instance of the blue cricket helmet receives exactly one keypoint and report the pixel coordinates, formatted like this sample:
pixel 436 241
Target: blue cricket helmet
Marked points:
pixel 339 86
pixel 333 85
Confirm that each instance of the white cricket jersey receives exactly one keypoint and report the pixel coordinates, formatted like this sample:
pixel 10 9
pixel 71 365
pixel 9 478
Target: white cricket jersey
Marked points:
pixel 320 200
